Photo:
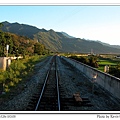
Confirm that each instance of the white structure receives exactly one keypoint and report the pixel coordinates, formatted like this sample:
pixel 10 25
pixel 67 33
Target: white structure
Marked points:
pixel 3 63
pixel 106 69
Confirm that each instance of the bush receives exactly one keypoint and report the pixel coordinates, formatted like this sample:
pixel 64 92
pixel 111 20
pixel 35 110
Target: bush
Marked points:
pixel 115 71
pixel 91 61
pixel 17 71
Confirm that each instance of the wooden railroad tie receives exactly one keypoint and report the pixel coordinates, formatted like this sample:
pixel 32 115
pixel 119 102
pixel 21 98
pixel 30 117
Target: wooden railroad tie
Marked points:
pixel 77 97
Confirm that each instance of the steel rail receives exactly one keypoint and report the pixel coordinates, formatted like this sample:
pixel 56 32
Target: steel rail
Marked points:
pixel 43 89
pixel 58 88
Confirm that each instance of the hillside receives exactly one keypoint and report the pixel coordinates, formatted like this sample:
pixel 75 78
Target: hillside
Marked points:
pixel 19 45
pixel 106 44
pixel 65 34
pixel 58 41
pixel 21 29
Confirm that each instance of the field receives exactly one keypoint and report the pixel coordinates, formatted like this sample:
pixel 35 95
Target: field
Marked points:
pixel 102 60
pixel 108 62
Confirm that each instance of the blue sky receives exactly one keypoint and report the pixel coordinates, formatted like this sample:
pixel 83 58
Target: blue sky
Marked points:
pixel 89 22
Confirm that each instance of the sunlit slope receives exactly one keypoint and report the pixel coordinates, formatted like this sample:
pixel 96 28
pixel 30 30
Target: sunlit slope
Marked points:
pixel 57 41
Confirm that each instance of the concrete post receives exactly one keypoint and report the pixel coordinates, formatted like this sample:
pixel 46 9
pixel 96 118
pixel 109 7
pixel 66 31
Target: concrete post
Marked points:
pixel 4 63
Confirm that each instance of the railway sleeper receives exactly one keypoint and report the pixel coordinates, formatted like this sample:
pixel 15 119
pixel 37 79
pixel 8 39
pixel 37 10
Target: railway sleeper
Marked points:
pixel 30 107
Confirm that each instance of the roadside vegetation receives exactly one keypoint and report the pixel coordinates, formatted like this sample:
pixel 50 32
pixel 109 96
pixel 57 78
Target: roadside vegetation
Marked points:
pixel 99 62
pixel 19 45
pixel 31 52
pixel 89 60
pixel 113 63
pixel 18 71
pixel 106 61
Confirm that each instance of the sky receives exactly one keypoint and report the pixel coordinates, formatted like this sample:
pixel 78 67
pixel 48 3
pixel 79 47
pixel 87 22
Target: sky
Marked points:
pixel 89 22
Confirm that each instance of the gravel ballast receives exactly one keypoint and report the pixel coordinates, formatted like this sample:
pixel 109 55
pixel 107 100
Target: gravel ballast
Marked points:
pixel 19 102
pixel 71 81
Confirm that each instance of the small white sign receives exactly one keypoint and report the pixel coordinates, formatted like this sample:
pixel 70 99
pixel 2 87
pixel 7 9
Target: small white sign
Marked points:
pixel 7 47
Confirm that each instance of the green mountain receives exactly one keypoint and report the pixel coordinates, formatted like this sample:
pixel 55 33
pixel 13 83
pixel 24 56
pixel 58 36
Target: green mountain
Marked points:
pixel 58 41
pixel 65 34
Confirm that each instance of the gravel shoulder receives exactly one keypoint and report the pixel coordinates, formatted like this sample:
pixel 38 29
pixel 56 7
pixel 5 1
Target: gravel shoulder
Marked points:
pixel 21 95
pixel 73 81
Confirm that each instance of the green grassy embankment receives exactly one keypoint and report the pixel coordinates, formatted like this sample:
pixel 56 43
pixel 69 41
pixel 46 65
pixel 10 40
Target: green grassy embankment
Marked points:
pixel 18 72
pixel 103 63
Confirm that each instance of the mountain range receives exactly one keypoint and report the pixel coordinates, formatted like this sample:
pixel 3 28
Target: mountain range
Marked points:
pixel 59 41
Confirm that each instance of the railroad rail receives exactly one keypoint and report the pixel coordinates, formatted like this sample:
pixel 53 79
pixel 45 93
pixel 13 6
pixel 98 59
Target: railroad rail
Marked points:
pixel 49 98
pixel 50 93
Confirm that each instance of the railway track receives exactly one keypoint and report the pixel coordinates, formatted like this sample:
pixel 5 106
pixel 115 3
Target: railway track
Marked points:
pixel 50 93
pixel 49 97
pixel 72 85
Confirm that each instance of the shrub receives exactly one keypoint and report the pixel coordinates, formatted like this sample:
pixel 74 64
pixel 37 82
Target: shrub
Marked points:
pixel 17 71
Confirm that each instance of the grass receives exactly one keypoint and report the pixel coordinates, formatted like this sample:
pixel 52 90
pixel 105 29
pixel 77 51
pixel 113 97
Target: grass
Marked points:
pixel 18 71
pixel 101 68
pixel 103 63
pixel 107 62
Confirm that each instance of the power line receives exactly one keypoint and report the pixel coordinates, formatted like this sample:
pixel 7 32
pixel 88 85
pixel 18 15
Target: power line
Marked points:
pixel 67 16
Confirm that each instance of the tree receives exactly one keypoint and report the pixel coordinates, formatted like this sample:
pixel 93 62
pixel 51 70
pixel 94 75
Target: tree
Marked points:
pixel 19 45
pixel 5 39
pixel 1 25
pixel 2 42
pixel 115 70
pixel 93 61
pixel 84 60
pixel 39 49
pixel 9 42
